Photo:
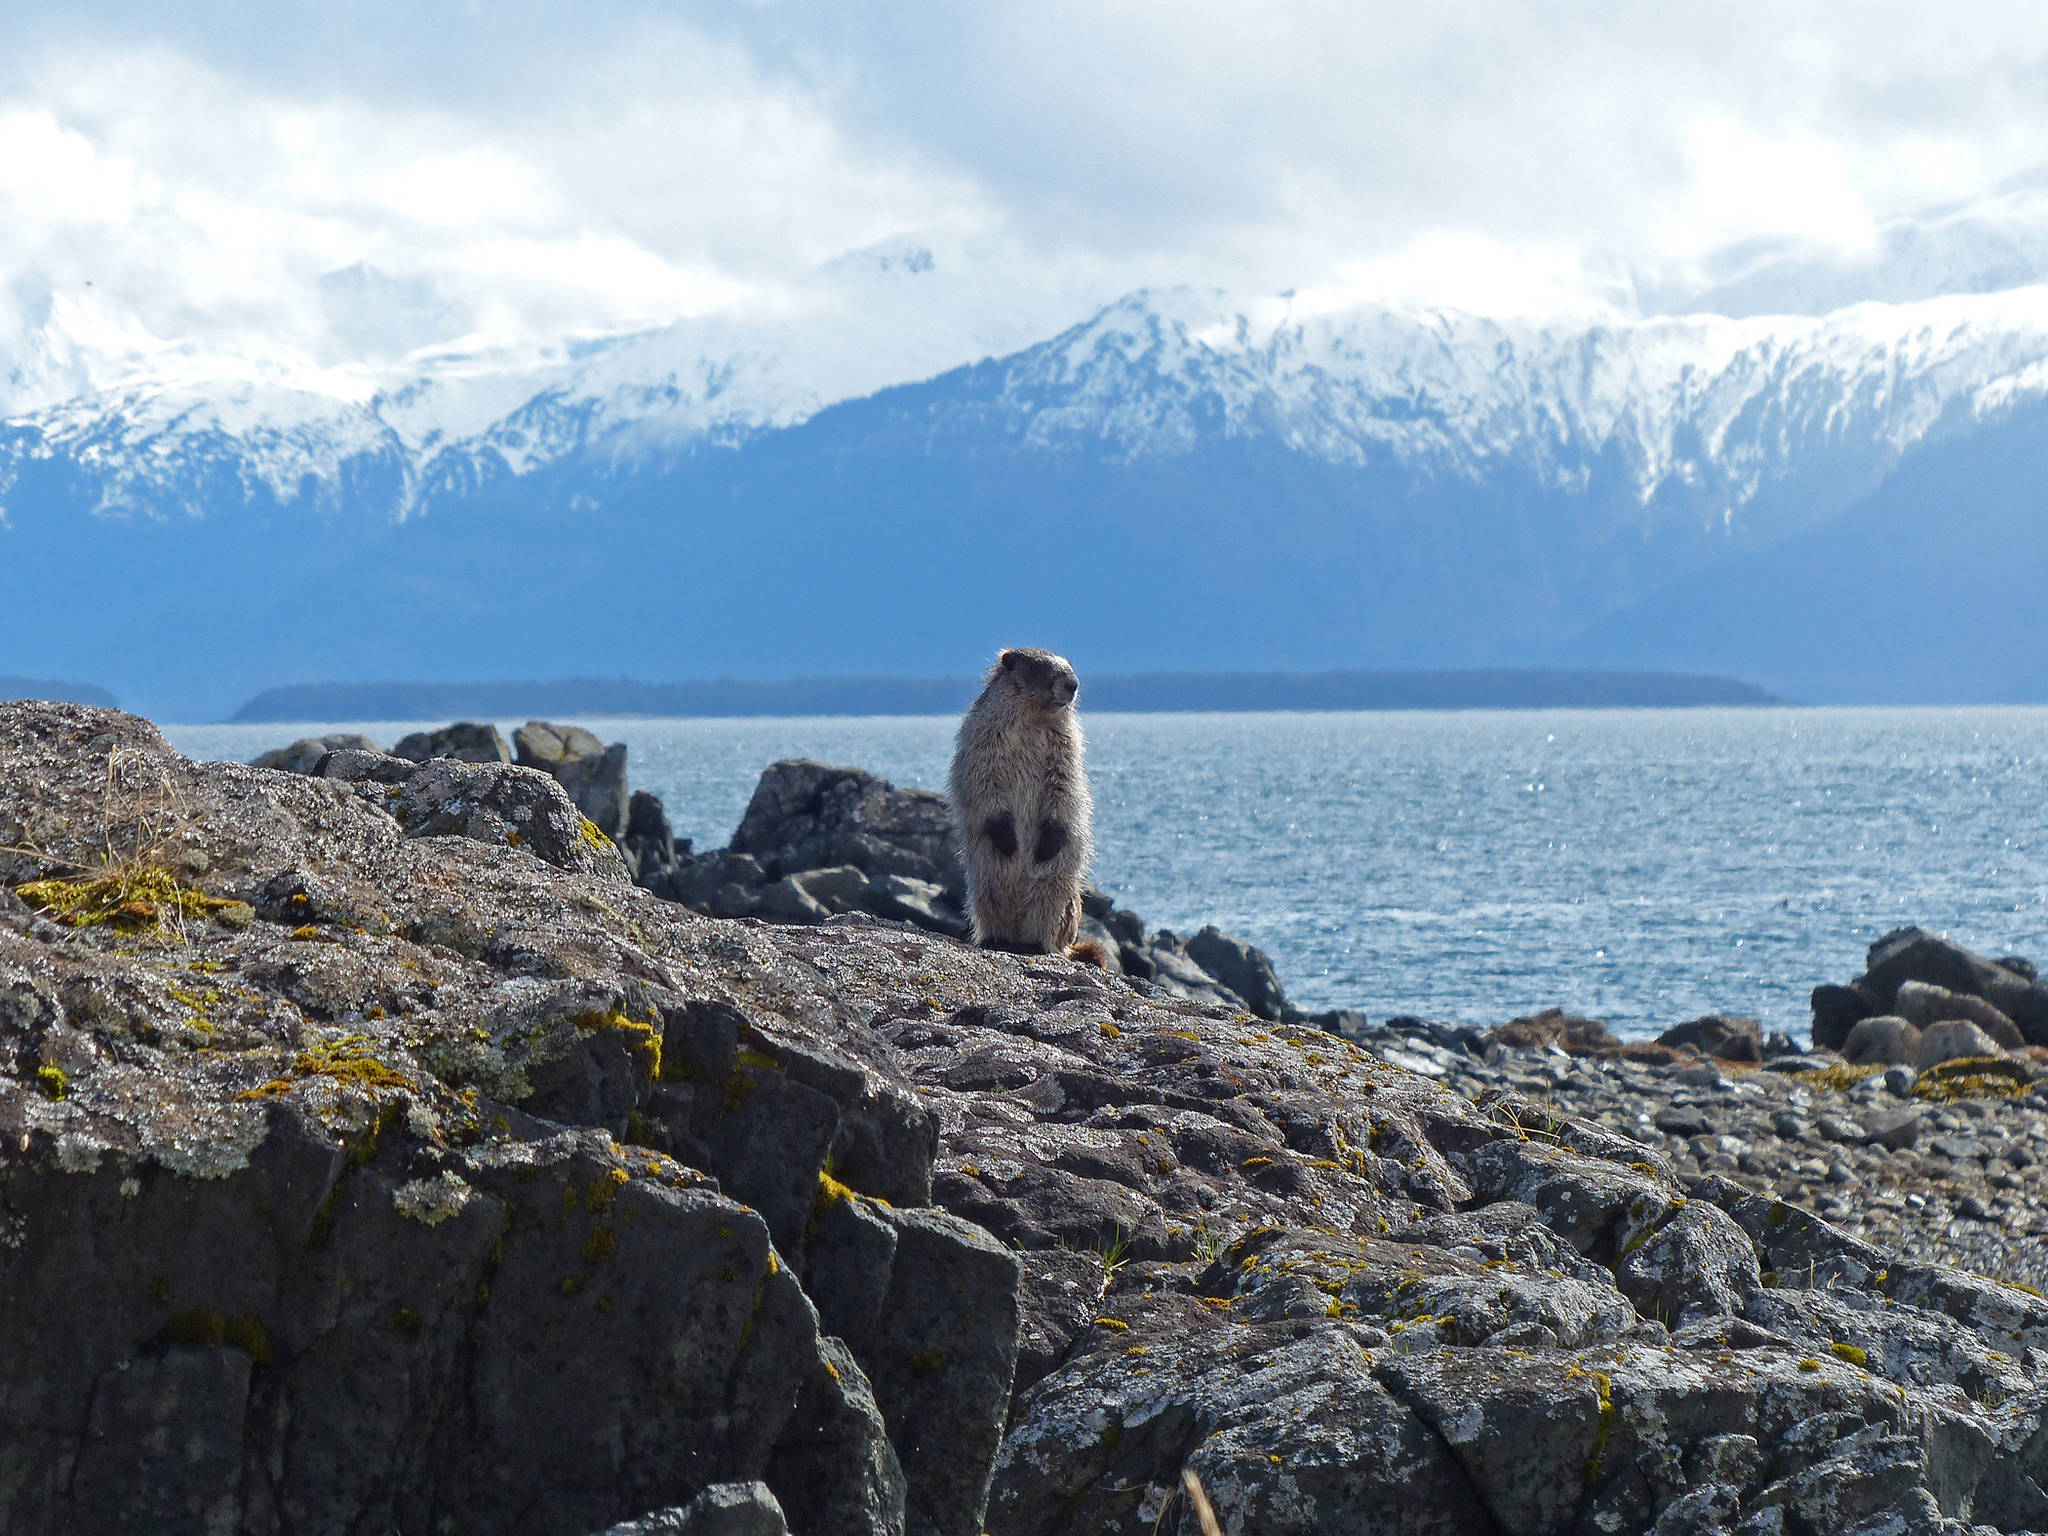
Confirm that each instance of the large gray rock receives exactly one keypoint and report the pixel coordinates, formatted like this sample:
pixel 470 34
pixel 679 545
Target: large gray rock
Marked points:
pixel 468 741
pixel 542 744
pixel 484 802
pixel 592 773
pixel 1242 969
pixel 1913 954
pixel 1923 1004
pixel 380 1226
pixel 1724 1036
pixel 304 755
pixel 1954 1039
pixel 806 815
pixel 724 1509
pixel 1882 1041
pixel 1171 970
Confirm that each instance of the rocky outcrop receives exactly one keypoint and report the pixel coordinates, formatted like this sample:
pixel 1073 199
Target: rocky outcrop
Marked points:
pixel 361 1172
pixel 468 741
pixel 1925 979
pixel 593 774
pixel 304 755
pixel 819 842
pixel 383 1158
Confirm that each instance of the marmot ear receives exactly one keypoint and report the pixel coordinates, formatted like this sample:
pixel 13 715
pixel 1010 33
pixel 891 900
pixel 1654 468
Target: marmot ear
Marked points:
pixel 1008 661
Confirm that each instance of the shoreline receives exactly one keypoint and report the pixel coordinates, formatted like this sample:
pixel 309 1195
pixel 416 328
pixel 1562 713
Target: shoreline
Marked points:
pixel 1955 1181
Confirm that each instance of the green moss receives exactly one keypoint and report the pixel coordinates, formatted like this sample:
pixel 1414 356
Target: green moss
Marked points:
pixel 52 1081
pixel 405 1321
pixel 1850 1353
pixel 600 1246
pixel 925 1361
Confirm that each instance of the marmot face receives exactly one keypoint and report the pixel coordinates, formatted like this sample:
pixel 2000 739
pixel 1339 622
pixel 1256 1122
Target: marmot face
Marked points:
pixel 1044 679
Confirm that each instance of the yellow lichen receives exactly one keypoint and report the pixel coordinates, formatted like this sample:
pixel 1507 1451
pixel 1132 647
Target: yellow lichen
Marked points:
pixel 135 896
pixel 348 1060
pixel 605 1189
pixel 1973 1077
pixel 52 1081
pixel 1839 1078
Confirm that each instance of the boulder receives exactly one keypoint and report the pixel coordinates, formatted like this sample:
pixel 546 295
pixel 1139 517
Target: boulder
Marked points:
pixel 1553 1026
pixel 597 783
pixel 1953 1039
pixel 1241 969
pixel 1882 1041
pixel 467 741
pixel 1913 954
pixel 304 755
pixel 806 815
pixel 1836 1011
pixel 541 744
pixel 1728 1037
pixel 592 773
pixel 723 1509
pixel 1168 967
pixel 484 802
pixel 650 844
pixel 1922 1003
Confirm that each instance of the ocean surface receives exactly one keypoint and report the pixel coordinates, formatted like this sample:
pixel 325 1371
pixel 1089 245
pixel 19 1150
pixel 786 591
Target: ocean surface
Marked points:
pixel 1640 866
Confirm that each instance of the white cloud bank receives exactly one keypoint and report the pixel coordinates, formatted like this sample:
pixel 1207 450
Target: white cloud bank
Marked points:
pixel 340 184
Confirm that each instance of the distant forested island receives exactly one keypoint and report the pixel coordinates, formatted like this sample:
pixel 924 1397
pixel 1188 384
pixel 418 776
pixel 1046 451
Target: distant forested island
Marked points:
pixel 47 688
pixel 1147 692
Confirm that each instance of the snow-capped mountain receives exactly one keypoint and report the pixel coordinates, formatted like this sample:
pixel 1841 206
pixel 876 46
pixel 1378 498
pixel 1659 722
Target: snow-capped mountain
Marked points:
pixel 1379 486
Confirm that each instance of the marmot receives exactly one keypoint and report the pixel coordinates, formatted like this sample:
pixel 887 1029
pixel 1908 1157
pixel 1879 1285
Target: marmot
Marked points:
pixel 1020 806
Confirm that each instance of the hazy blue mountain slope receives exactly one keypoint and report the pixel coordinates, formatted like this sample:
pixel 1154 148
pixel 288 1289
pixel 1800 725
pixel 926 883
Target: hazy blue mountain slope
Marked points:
pixel 1929 589
pixel 1177 482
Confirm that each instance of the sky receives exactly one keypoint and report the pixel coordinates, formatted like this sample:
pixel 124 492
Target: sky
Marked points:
pixel 355 179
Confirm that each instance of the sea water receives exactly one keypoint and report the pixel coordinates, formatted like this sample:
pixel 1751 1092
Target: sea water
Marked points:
pixel 1640 866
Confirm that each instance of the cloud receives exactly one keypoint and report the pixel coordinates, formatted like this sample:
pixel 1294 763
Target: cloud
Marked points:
pixel 531 168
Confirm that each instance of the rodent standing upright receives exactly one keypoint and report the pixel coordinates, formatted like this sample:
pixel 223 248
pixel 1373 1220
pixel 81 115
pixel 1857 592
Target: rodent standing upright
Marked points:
pixel 1020 805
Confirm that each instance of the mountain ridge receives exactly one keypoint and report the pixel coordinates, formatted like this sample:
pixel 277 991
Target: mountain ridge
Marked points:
pixel 1179 479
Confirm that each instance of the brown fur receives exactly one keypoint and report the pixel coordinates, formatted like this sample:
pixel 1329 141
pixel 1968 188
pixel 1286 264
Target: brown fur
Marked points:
pixel 1021 807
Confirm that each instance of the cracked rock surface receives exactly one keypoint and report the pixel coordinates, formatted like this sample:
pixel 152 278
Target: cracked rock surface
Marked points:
pixel 385 1160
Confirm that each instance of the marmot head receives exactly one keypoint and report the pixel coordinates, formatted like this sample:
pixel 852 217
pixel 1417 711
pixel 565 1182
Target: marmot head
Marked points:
pixel 1043 678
